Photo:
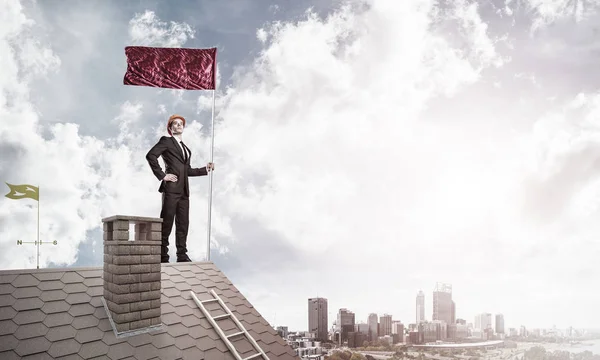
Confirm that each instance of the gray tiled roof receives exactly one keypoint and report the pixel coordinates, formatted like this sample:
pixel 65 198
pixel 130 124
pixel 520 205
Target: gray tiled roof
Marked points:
pixel 58 313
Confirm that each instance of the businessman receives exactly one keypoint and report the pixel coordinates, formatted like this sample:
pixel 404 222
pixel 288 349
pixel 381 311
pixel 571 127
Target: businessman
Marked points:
pixel 174 185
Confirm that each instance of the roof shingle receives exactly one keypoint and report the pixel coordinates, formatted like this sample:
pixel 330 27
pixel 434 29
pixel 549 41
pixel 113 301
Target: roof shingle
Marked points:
pixel 52 313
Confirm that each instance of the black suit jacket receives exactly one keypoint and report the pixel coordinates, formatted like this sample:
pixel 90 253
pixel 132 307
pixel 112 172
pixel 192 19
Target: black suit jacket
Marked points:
pixel 169 149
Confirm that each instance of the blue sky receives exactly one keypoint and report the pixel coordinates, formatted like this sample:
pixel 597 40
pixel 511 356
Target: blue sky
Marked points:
pixel 364 149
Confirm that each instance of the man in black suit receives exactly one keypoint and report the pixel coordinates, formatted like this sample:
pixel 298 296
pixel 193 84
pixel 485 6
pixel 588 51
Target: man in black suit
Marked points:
pixel 174 185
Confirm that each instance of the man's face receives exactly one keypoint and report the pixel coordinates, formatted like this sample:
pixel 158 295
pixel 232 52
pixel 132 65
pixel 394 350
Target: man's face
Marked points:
pixel 177 127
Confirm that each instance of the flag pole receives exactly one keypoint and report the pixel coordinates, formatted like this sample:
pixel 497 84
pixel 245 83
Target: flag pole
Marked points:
pixel 210 177
pixel 38 229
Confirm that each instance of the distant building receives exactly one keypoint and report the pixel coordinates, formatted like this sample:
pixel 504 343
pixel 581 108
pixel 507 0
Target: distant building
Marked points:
pixel 499 324
pixel 362 328
pixel 461 321
pixel 356 339
pixel 458 331
pixel 442 329
pixel 345 324
pixel 523 331
pixel 373 327
pixel 415 338
pixel 317 317
pixel 398 331
pixel 442 303
pixel 306 348
pixel 283 331
pixel 420 309
pixel 397 327
pixel 483 321
pixel 432 331
pixel 334 333
pixel 385 325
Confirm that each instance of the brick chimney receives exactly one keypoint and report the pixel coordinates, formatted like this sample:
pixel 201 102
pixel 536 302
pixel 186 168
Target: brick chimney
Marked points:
pixel 132 272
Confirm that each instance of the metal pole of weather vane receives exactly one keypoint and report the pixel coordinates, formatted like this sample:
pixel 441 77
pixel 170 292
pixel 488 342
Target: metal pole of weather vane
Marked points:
pixel 38 242
pixel 38 230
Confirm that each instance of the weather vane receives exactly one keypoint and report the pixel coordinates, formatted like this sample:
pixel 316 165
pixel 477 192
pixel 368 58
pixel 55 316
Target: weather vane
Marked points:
pixel 24 191
pixel 38 243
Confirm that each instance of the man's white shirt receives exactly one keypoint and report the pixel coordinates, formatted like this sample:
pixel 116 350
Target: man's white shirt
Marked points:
pixel 185 154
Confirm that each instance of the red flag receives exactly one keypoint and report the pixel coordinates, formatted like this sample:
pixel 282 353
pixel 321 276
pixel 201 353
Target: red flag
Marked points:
pixel 173 68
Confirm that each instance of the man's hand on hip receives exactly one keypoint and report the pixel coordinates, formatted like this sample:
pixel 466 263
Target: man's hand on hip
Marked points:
pixel 170 177
pixel 210 167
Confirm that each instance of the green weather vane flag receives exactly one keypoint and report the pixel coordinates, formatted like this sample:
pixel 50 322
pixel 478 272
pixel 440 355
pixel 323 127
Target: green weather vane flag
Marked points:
pixel 18 192
pixel 26 191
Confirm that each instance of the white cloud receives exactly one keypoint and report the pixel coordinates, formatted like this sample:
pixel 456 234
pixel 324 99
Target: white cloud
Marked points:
pixel 261 35
pixel 147 30
pixel 274 8
pixel 549 11
pixel 331 109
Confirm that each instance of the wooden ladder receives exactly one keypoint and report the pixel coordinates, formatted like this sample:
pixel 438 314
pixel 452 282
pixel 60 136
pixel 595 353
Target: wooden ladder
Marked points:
pixel 228 315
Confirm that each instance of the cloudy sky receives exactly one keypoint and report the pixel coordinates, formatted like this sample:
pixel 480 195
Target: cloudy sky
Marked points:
pixel 365 150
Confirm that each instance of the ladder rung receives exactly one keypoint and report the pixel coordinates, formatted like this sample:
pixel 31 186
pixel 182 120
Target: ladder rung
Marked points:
pixel 236 334
pixel 220 316
pixel 209 300
pixel 253 356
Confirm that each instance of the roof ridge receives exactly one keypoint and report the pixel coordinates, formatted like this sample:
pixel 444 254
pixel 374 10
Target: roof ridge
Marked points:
pixel 86 268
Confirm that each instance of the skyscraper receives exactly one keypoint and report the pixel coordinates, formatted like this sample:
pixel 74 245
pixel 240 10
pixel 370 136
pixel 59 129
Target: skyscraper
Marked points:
pixel 373 326
pixel 420 307
pixel 398 331
pixel 483 321
pixel 499 324
pixel 442 303
pixel 385 323
pixel 486 321
pixel 345 324
pixel 317 317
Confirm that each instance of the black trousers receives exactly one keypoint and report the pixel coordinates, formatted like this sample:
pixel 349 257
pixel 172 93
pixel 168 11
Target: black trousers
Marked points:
pixel 175 207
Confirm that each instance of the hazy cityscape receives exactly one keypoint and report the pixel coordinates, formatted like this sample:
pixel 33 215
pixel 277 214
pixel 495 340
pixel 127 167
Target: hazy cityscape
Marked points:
pixel 444 336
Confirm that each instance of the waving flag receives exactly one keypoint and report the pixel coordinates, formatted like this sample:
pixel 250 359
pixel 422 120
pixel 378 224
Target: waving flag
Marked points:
pixel 18 192
pixel 173 68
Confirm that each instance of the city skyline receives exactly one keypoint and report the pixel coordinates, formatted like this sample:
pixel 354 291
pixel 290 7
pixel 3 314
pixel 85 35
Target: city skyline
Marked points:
pixel 384 323
pixel 491 317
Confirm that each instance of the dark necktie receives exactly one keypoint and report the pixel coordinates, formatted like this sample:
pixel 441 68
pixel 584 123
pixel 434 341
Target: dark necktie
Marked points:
pixel 185 155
